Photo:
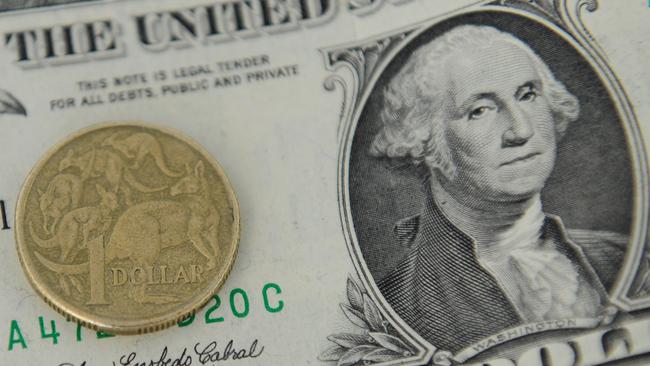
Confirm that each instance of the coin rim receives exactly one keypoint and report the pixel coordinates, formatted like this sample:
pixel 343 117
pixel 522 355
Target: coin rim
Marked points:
pixel 104 323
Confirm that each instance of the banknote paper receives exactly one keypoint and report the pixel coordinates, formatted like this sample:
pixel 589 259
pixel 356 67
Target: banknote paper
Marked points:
pixel 424 182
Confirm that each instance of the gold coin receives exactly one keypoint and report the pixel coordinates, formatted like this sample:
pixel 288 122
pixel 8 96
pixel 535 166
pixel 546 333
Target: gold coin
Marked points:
pixel 126 227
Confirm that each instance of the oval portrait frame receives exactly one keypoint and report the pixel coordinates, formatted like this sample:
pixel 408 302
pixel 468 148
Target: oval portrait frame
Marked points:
pixel 360 66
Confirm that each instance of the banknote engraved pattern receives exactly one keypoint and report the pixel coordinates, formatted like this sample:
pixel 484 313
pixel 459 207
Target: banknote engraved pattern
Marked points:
pixel 131 222
pixel 10 104
pixel 377 341
pixel 13 5
pixel 461 125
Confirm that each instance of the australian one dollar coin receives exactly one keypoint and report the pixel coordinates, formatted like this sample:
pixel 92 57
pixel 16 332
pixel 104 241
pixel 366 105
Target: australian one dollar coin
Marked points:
pixel 127 227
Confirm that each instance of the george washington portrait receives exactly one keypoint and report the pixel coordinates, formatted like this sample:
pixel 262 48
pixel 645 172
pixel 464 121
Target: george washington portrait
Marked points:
pixel 482 115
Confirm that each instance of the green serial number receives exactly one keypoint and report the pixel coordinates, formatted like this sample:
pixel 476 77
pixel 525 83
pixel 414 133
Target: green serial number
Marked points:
pixel 238 305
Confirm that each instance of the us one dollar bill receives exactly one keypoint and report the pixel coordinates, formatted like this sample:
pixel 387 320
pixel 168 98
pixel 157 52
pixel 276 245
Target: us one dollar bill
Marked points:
pixel 420 182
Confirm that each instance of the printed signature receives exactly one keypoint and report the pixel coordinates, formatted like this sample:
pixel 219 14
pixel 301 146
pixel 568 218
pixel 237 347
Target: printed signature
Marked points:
pixel 203 354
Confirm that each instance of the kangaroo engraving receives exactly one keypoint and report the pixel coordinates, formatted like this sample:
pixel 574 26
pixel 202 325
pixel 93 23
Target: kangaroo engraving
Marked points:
pixel 62 194
pixel 77 226
pixel 104 163
pixel 137 147
pixel 145 229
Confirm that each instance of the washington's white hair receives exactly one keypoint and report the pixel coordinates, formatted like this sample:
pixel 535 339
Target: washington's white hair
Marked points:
pixel 413 98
